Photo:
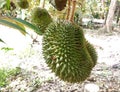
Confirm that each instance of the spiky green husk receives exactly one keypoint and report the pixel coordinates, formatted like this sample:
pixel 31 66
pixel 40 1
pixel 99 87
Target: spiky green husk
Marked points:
pixel 23 4
pixel 41 18
pixel 92 52
pixel 65 52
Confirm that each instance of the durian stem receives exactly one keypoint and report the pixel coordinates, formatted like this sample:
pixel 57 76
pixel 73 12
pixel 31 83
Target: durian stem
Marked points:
pixel 68 11
pixel 71 18
pixel 42 3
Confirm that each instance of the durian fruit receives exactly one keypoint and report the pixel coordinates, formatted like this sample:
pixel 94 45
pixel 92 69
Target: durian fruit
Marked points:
pixel 59 4
pixel 23 4
pixel 92 52
pixel 41 18
pixel 65 51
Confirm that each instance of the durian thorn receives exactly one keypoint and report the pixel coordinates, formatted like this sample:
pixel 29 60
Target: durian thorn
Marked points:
pixel 42 3
pixel 72 12
pixel 68 10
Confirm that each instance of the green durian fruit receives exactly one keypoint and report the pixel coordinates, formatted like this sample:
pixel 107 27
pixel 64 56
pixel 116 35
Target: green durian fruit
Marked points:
pixel 65 51
pixel 92 52
pixel 23 4
pixel 41 18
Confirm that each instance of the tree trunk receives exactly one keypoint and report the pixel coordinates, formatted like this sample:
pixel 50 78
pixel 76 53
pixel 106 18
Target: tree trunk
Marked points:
pixel 118 11
pixel 72 12
pixel 118 15
pixel 108 26
pixel 42 3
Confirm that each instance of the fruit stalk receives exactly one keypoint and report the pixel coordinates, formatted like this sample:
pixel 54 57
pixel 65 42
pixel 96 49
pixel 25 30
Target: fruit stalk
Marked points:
pixel 71 17
pixel 68 11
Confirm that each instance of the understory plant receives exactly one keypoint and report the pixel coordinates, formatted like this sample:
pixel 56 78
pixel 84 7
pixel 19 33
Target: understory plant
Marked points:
pixel 5 74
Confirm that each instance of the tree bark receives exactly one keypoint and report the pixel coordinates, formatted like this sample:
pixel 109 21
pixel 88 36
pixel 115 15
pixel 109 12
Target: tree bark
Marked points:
pixel 68 10
pixel 108 26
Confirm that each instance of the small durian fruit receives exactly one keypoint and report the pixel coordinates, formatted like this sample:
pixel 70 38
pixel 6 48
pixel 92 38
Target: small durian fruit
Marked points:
pixel 92 52
pixel 65 52
pixel 41 18
pixel 23 4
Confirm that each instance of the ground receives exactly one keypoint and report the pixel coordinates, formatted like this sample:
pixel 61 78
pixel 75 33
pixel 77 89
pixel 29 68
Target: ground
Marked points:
pixel 35 76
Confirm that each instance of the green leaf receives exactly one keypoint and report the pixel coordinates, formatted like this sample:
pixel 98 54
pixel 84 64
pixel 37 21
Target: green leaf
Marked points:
pixel 13 24
pixel 6 49
pixel 29 25
pixel 2 3
pixel 19 24
pixel 8 4
pixel 1 40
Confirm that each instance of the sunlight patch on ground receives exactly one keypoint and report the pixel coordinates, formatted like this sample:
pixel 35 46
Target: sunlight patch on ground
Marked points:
pixel 13 38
